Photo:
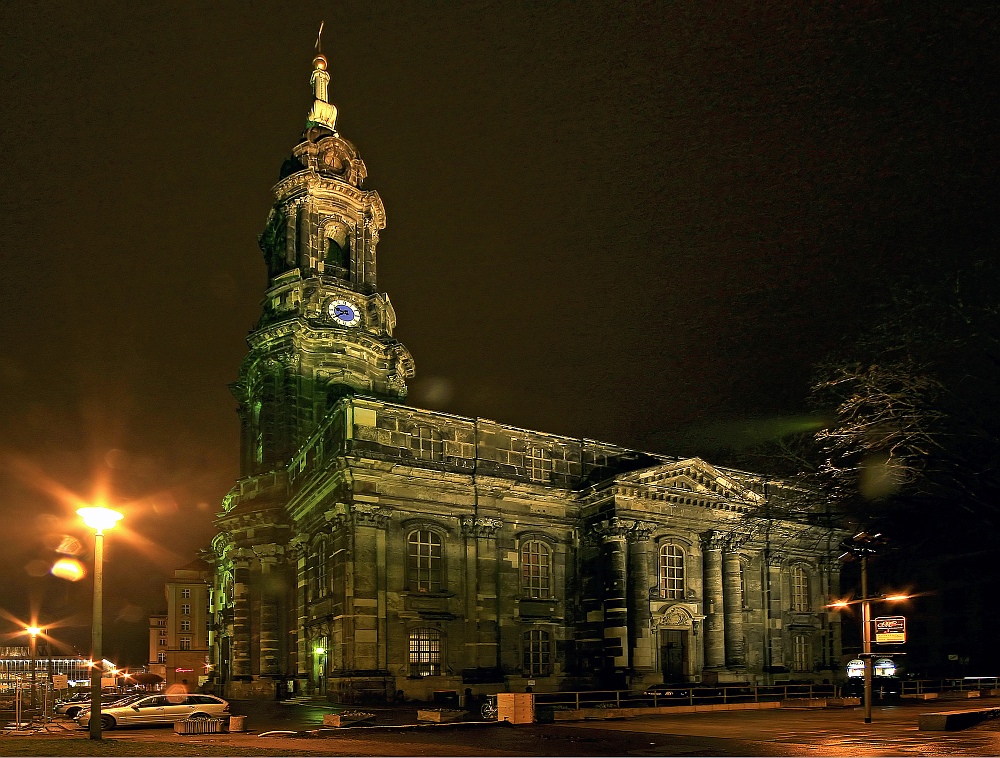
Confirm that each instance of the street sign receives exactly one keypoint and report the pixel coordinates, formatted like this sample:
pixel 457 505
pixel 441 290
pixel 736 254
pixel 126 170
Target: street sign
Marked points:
pixel 890 629
pixel 60 681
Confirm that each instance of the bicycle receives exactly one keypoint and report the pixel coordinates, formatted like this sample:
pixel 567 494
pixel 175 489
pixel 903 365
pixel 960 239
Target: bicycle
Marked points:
pixel 489 710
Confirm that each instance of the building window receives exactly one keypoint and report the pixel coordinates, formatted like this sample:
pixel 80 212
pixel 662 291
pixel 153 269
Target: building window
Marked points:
pixel 425 652
pixel 538 463
pixel 185 592
pixel 186 625
pixel 185 609
pixel 320 570
pixel 801 653
pixel 743 586
pixel 185 643
pixel 535 569
pixel 671 572
pixel 426 443
pixel 537 653
pixel 161 657
pixel 424 561
pixel 163 642
pixel 800 589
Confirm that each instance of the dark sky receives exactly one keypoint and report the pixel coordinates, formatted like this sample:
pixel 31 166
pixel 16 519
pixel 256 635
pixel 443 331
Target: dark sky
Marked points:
pixel 635 222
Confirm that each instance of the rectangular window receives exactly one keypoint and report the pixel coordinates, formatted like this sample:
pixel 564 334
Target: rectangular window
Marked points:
pixel 537 653
pixel 801 653
pixel 186 609
pixel 426 443
pixel 161 657
pixel 425 652
pixel 185 592
pixel 185 643
pixel 163 641
pixel 538 463
pixel 800 589
pixel 186 625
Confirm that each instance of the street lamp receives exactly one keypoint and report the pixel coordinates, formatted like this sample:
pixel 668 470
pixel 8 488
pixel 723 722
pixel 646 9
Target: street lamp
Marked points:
pixel 863 545
pixel 33 631
pixel 98 519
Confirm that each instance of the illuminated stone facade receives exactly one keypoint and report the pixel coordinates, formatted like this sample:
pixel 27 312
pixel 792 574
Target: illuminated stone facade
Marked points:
pixel 371 547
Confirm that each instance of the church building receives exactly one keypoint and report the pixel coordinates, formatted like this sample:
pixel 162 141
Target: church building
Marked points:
pixel 371 547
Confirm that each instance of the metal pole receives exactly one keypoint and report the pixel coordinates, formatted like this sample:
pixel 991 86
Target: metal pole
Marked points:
pixel 866 638
pixel 33 643
pixel 97 670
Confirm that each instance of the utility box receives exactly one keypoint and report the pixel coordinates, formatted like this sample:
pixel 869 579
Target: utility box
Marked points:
pixel 516 707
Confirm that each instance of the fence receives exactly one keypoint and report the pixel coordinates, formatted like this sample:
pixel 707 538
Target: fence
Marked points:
pixel 685 695
pixel 744 693
pixel 920 686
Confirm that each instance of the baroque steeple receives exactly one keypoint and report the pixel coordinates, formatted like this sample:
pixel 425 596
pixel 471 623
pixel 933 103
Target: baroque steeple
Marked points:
pixel 324 330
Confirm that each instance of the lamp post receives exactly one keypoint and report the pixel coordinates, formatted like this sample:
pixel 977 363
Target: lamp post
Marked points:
pixel 98 519
pixel 33 632
pixel 864 545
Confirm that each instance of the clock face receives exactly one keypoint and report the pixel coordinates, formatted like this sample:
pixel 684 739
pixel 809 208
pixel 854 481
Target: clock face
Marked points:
pixel 344 312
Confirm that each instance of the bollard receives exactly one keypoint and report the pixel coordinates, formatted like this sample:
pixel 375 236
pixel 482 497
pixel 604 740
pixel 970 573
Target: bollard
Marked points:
pixel 237 723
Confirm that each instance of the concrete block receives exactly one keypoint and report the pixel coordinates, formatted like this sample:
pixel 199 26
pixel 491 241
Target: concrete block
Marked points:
pixel 950 721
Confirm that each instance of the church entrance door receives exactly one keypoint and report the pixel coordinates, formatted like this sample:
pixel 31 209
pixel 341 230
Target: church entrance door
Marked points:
pixel 673 654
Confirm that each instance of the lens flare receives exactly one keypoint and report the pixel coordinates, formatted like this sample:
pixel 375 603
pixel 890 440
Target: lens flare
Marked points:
pixel 69 569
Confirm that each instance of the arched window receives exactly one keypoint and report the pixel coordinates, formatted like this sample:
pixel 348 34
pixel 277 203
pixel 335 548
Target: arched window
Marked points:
pixel 337 258
pixel 536 569
pixel 537 653
pixel 425 652
pixel 424 562
pixel 671 572
pixel 800 589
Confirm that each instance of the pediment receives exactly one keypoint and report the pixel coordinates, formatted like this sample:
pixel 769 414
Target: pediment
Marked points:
pixel 694 477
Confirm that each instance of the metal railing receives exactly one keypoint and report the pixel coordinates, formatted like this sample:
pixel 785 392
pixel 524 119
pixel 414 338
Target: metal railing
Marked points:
pixel 963 684
pixel 685 695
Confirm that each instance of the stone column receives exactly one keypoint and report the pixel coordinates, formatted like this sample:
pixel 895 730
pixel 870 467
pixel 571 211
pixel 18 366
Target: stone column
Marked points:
pixel 715 629
pixel 641 637
pixel 733 600
pixel 615 535
pixel 241 613
pixel 369 575
pixel 481 608
pixel 270 633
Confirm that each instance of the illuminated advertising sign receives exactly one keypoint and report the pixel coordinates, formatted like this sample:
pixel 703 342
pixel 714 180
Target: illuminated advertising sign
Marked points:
pixel 890 629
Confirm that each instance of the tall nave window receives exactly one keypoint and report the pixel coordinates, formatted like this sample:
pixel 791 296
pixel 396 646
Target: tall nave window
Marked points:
pixel 671 572
pixel 424 561
pixel 536 569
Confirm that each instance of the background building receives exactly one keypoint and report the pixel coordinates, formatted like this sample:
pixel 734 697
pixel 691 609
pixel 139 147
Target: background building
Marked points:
pixel 178 639
pixel 371 547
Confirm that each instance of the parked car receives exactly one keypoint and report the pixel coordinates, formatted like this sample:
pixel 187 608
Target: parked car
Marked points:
pixel 668 691
pixel 72 705
pixel 883 687
pixel 158 709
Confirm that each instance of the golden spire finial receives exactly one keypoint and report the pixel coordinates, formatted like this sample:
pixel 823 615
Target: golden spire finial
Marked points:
pixel 323 111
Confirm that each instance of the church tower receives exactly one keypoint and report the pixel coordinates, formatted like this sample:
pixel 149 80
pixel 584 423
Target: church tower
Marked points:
pixel 324 331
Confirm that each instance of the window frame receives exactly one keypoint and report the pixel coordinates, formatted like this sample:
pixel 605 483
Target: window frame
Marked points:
pixel 425 647
pixel 425 570
pixel 671 578
pixel 801 595
pixel 801 653
pixel 536 585
pixel 536 646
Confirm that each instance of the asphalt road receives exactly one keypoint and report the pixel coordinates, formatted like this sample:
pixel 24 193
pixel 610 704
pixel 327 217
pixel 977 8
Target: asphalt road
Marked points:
pixel 782 732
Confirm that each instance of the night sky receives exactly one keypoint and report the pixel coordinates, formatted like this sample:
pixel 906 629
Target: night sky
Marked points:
pixel 635 222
